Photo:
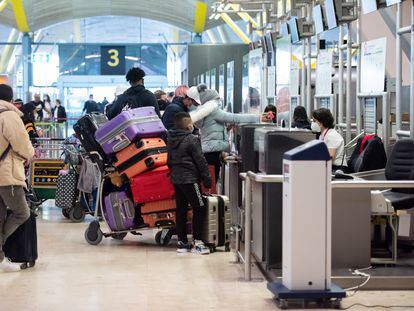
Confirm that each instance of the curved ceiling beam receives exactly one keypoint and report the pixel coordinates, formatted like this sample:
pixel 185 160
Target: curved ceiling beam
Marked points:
pixel 3 4
pixel 20 15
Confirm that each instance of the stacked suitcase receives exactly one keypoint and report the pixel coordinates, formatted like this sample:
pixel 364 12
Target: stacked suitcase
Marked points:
pixel 134 142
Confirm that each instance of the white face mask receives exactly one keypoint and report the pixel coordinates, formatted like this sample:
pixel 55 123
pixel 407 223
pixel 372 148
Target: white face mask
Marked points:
pixel 315 127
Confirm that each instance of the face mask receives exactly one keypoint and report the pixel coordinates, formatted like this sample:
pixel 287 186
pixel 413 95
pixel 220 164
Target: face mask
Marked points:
pixel 191 128
pixel 315 127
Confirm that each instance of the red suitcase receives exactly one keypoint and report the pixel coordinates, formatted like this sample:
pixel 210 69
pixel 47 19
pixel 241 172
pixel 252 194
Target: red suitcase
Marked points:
pixel 141 156
pixel 213 190
pixel 154 185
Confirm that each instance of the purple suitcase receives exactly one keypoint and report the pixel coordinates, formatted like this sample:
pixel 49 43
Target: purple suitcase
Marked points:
pixel 119 211
pixel 127 127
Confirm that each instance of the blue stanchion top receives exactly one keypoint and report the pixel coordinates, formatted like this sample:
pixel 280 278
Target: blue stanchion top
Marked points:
pixel 314 150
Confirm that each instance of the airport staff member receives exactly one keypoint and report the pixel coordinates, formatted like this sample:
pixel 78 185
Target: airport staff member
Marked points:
pixel 323 123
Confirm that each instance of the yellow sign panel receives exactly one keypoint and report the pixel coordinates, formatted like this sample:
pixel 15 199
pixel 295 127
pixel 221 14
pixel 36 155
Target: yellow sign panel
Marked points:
pixel 200 17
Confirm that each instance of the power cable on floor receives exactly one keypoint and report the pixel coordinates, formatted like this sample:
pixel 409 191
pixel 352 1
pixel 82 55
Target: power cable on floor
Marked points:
pixel 358 287
pixel 376 306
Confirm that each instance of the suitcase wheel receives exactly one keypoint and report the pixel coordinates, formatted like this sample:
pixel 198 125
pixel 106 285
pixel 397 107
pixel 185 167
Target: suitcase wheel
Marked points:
pixel 77 213
pixel 65 213
pixel 163 237
pixel 93 234
pixel 119 236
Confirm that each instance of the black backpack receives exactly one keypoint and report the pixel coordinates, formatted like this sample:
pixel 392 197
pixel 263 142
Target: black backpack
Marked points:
pixel 373 157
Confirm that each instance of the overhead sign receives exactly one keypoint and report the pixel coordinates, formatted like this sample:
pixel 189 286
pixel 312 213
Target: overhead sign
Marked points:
pixel 40 57
pixel 373 65
pixel 113 60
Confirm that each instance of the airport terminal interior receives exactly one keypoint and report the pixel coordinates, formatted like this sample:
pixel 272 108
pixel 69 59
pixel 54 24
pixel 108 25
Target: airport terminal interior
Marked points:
pixel 206 155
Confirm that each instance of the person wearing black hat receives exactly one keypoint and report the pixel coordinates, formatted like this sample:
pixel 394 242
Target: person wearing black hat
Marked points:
pixel 29 117
pixel 136 96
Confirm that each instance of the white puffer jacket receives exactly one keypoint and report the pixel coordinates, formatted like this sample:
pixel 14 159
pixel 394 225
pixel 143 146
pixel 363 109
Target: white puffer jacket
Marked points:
pixel 210 119
pixel 13 132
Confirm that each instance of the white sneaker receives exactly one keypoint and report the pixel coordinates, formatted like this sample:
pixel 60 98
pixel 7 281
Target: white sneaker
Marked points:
pixel 200 248
pixel 7 266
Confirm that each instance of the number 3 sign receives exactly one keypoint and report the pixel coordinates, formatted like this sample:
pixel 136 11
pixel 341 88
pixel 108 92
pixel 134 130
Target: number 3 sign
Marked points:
pixel 112 60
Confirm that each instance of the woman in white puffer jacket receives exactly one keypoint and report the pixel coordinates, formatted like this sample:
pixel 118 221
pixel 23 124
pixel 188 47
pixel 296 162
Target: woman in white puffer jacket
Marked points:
pixel 211 120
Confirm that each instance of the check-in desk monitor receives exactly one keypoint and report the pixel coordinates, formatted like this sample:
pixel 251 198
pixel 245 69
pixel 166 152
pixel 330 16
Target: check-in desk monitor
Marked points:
pixel 270 145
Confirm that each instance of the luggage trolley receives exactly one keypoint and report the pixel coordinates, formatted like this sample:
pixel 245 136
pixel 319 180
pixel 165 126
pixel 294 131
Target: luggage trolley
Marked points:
pixel 94 233
pixel 44 170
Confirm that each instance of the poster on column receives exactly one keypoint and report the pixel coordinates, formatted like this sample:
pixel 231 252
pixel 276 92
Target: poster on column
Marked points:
pixel 294 78
pixel 255 81
pixel 373 65
pixel 271 82
pixel 324 73
pixel 283 64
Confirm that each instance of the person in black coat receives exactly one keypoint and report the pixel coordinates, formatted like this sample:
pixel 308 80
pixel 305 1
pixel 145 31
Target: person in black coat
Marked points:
pixel 300 118
pixel 188 168
pixel 136 96
pixel 59 112
pixel 179 104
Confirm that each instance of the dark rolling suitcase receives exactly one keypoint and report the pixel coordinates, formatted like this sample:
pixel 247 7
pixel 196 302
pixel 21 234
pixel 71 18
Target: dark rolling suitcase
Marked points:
pixel 217 222
pixel 85 130
pixel 21 246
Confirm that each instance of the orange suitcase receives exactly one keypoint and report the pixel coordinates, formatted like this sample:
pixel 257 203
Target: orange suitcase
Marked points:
pixel 141 156
pixel 158 206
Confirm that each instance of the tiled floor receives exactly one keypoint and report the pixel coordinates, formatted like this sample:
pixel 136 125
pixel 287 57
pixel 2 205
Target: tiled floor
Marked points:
pixel 135 274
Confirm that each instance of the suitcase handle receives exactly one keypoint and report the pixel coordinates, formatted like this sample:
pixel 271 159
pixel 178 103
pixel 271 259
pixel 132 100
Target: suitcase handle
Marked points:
pixel 149 162
pixel 123 142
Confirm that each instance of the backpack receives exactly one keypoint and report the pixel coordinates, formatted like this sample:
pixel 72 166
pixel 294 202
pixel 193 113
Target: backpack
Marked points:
pixel 368 155
pixel 131 101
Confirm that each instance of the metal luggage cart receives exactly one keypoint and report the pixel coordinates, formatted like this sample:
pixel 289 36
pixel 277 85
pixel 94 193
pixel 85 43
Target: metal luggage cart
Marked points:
pixel 94 233
pixel 44 169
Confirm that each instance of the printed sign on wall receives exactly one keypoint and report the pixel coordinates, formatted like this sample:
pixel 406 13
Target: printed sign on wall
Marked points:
pixel 373 65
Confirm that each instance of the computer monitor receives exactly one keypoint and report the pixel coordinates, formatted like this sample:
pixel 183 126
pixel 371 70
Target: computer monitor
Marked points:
pixel 294 29
pixel 318 19
pixel 284 29
pixel 369 6
pixel 330 13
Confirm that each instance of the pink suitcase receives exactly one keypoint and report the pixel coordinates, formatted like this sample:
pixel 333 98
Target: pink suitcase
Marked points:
pixel 127 127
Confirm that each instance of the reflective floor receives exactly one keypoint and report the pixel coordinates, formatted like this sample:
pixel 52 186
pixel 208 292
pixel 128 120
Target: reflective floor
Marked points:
pixel 135 274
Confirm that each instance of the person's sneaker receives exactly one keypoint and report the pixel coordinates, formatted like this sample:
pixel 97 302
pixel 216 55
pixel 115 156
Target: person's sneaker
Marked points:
pixel 183 247
pixel 7 266
pixel 200 248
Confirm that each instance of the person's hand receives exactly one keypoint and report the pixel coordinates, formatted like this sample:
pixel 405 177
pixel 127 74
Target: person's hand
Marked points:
pixel 268 116
pixel 40 133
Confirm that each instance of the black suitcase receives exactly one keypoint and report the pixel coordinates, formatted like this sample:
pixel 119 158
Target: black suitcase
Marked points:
pixel 85 130
pixel 21 246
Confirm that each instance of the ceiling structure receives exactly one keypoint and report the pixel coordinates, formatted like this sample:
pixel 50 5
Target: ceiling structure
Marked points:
pixel 43 13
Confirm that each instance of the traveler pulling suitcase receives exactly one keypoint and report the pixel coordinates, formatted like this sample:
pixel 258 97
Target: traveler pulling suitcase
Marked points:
pixel 154 185
pixel 21 246
pixel 141 156
pixel 217 222
pixel 85 130
pixel 127 127
pixel 119 211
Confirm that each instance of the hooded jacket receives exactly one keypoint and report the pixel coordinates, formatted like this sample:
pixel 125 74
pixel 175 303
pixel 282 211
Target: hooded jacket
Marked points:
pixel 186 160
pixel 210 119
pixel 142 98
pixel 172 109
pixel 13 133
